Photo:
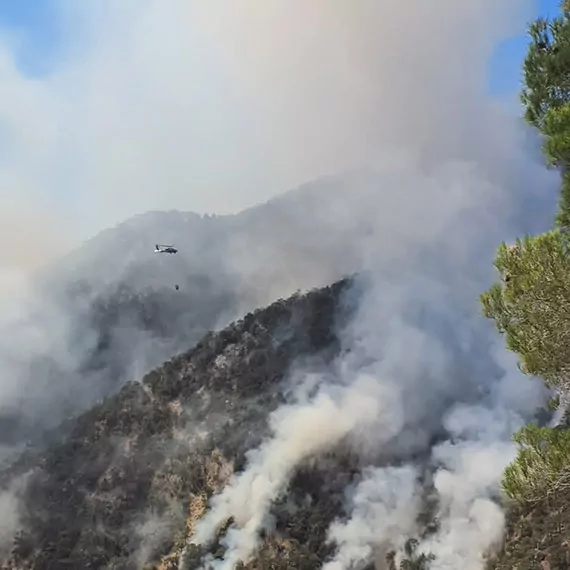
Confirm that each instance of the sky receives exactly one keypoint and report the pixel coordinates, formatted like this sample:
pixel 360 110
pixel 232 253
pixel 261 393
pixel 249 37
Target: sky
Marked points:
pixel 37 27
pixel 102 119
pixel 504 72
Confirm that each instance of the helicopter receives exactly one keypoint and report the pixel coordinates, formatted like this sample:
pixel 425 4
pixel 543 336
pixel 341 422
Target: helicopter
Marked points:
pixel 164 249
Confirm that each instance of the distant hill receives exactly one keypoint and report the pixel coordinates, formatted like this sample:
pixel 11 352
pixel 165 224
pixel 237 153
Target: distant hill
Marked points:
pixel 108 312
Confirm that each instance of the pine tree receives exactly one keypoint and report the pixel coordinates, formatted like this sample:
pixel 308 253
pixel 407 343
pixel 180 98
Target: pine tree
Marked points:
pixel 531 305
pixel 546 96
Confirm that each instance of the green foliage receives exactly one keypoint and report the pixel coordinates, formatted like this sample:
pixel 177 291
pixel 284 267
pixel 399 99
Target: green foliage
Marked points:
pixel 556 149
pixel 556 129
pixel 542 464
pixel 547 67
pixel 563 215
pixel 531 303
pixel 554 402
pixel 546 95
pixel 531 306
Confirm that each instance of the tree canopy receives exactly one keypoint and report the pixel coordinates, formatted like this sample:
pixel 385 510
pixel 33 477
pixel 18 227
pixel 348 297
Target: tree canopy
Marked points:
pixel 541 465
pixel 545 68
pixel 546 96
pixel 530 304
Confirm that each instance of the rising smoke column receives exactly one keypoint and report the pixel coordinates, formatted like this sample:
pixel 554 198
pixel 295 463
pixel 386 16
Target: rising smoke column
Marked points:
pixel 300 431
pixel 384 506
pixel 334 85
pixel 420 375
pixel 284 91
pixel 442 205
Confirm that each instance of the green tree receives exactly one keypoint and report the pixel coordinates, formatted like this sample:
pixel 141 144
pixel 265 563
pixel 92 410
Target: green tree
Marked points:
pixel 531 305
pixel 541 466
pixel 546 95
pixel 545 68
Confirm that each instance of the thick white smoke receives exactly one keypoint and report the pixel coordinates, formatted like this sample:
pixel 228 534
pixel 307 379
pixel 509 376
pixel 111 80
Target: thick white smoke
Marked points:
pixel 422 368
pixel 384 505
pixel 243 101
pixel 302 431
pixel 423 374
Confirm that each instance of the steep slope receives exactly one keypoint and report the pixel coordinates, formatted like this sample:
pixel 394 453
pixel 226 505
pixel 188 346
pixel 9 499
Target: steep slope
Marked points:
pixel 420 397
pixel 128 484
pixel 114 493
pixel 108 312
pixel 537 536
pixel 72 348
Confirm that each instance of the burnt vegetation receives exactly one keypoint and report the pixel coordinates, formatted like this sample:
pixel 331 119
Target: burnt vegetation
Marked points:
pixel 158 449
pixel 122 485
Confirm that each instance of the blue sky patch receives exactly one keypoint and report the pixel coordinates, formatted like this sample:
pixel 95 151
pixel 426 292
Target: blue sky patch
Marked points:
pixel 505 67
pixel 35 30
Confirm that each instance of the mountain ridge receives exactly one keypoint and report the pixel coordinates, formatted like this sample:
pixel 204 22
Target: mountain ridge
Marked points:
pixel 127 482
pixel 57 486
pixel 414 330
pixel 114 310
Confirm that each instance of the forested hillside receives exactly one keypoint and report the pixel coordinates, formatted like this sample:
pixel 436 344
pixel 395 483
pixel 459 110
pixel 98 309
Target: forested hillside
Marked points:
pixel 122 489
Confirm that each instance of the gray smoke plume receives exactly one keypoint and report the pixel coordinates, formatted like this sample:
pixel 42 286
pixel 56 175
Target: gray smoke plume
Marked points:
pixel 422 375
pixel 125 122
pixel 384 506
pixel 243 101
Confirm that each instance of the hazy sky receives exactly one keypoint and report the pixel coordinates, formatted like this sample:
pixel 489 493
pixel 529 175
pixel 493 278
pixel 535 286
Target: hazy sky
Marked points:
pixel 44 41
pixel 110 109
